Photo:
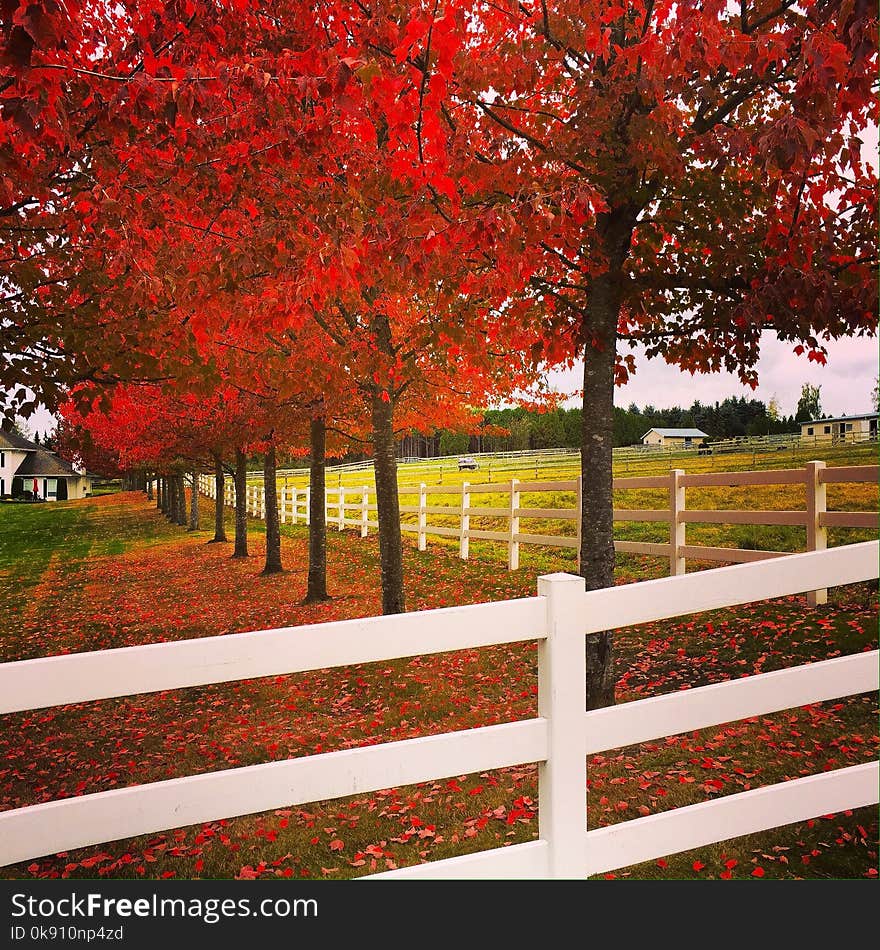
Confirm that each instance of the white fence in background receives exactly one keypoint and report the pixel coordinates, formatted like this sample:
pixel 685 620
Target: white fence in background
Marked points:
pixel 342 512
pixel 548 460
pixel 559 739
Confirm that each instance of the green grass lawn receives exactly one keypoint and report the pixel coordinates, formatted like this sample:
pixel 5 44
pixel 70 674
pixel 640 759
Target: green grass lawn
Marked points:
pixel 112 572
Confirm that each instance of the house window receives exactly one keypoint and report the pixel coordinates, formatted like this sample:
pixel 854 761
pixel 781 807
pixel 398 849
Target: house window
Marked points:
pixel 810 431
pixel 2 486
pixel 2 460
pixel 849 427
pixel 827 430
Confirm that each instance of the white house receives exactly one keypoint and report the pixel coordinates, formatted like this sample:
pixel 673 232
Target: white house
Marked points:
pixel 680 438
pixel 841 429
pixel 25 467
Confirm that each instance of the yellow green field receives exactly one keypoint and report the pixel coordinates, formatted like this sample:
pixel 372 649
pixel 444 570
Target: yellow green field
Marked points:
pixel 841 497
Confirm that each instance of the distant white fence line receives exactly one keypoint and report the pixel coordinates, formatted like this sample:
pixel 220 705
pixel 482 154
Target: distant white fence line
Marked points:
pixel 554 458
pixel 559 739
pixel 815 518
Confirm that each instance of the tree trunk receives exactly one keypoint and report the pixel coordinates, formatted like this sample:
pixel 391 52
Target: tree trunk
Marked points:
pixel 178 514
pixel 273 526
pixel 181 501
pixel 597 504
pixel 149 488
pixel 219 492
pixel 194 503
pixel 317 586
pixel 170 499
pixel 388 505
pixel 160 494
pixel 240 549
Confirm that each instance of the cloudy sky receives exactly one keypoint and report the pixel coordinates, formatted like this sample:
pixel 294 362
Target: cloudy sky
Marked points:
pixel 846 380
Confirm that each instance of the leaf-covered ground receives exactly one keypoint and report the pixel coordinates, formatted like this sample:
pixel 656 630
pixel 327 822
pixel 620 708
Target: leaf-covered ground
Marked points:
pixel 111 572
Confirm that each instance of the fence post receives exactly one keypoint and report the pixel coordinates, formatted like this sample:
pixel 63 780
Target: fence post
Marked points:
pixel 677 528
pixel 817 534
pixel 308 504
pixel 463 539
pixel 423 516
pixel 365 511
pixel 341 497
pixel 294 501
pixel 513 527
pixel 263 503
pixel 562 697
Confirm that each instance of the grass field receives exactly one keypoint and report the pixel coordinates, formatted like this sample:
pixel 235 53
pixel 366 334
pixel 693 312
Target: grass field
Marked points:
pixel 111 572
pixel 862 497
pixel 444 471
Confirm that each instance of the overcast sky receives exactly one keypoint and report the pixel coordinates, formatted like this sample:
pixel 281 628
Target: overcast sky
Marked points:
pixel 846 380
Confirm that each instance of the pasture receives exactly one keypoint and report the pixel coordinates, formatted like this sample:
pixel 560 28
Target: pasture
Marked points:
pixel 785 538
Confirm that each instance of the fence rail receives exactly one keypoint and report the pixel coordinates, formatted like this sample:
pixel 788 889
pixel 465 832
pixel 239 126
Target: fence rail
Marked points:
pixel 546 460
pixel 815 518
pixel 558 739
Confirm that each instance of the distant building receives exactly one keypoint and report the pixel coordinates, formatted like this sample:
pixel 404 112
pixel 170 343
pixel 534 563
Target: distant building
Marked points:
pixel 680 438
pixel 841 429
pixel 27 468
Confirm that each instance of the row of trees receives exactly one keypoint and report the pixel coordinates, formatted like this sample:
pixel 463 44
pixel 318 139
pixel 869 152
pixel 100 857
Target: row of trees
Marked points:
pixel 231 229
pixel 519 427
pixel 562 428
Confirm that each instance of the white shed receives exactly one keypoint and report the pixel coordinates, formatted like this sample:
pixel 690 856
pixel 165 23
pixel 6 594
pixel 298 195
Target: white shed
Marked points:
pixel 681 438
pixel 859 428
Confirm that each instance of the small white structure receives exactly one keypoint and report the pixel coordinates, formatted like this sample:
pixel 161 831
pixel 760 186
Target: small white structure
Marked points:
pixel 680 438
pixel 26 468
pixel 841 429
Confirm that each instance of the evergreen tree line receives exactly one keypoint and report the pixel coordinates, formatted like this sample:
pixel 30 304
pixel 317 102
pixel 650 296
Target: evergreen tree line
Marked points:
pixel 561 428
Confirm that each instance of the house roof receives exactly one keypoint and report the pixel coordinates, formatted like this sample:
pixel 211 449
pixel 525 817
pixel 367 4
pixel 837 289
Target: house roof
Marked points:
pixel 48 464
pixel 12 440
pixel 679 433
pixel 862 415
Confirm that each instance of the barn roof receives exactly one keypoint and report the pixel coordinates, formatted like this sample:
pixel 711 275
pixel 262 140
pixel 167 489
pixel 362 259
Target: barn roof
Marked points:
pixel 861 415
pixel 679 433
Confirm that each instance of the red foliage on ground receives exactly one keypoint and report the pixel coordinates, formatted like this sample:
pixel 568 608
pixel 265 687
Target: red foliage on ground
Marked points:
pixel 181 588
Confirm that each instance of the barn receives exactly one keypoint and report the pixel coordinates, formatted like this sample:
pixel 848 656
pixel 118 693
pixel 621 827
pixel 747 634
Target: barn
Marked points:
pixel 678 438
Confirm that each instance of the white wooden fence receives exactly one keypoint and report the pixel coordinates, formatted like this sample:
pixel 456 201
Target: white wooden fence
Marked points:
pixel 815 518
pixel 545 461
pixel 559 739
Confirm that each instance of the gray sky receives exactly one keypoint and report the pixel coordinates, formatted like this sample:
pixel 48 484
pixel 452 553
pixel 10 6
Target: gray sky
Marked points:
pixel 847 379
